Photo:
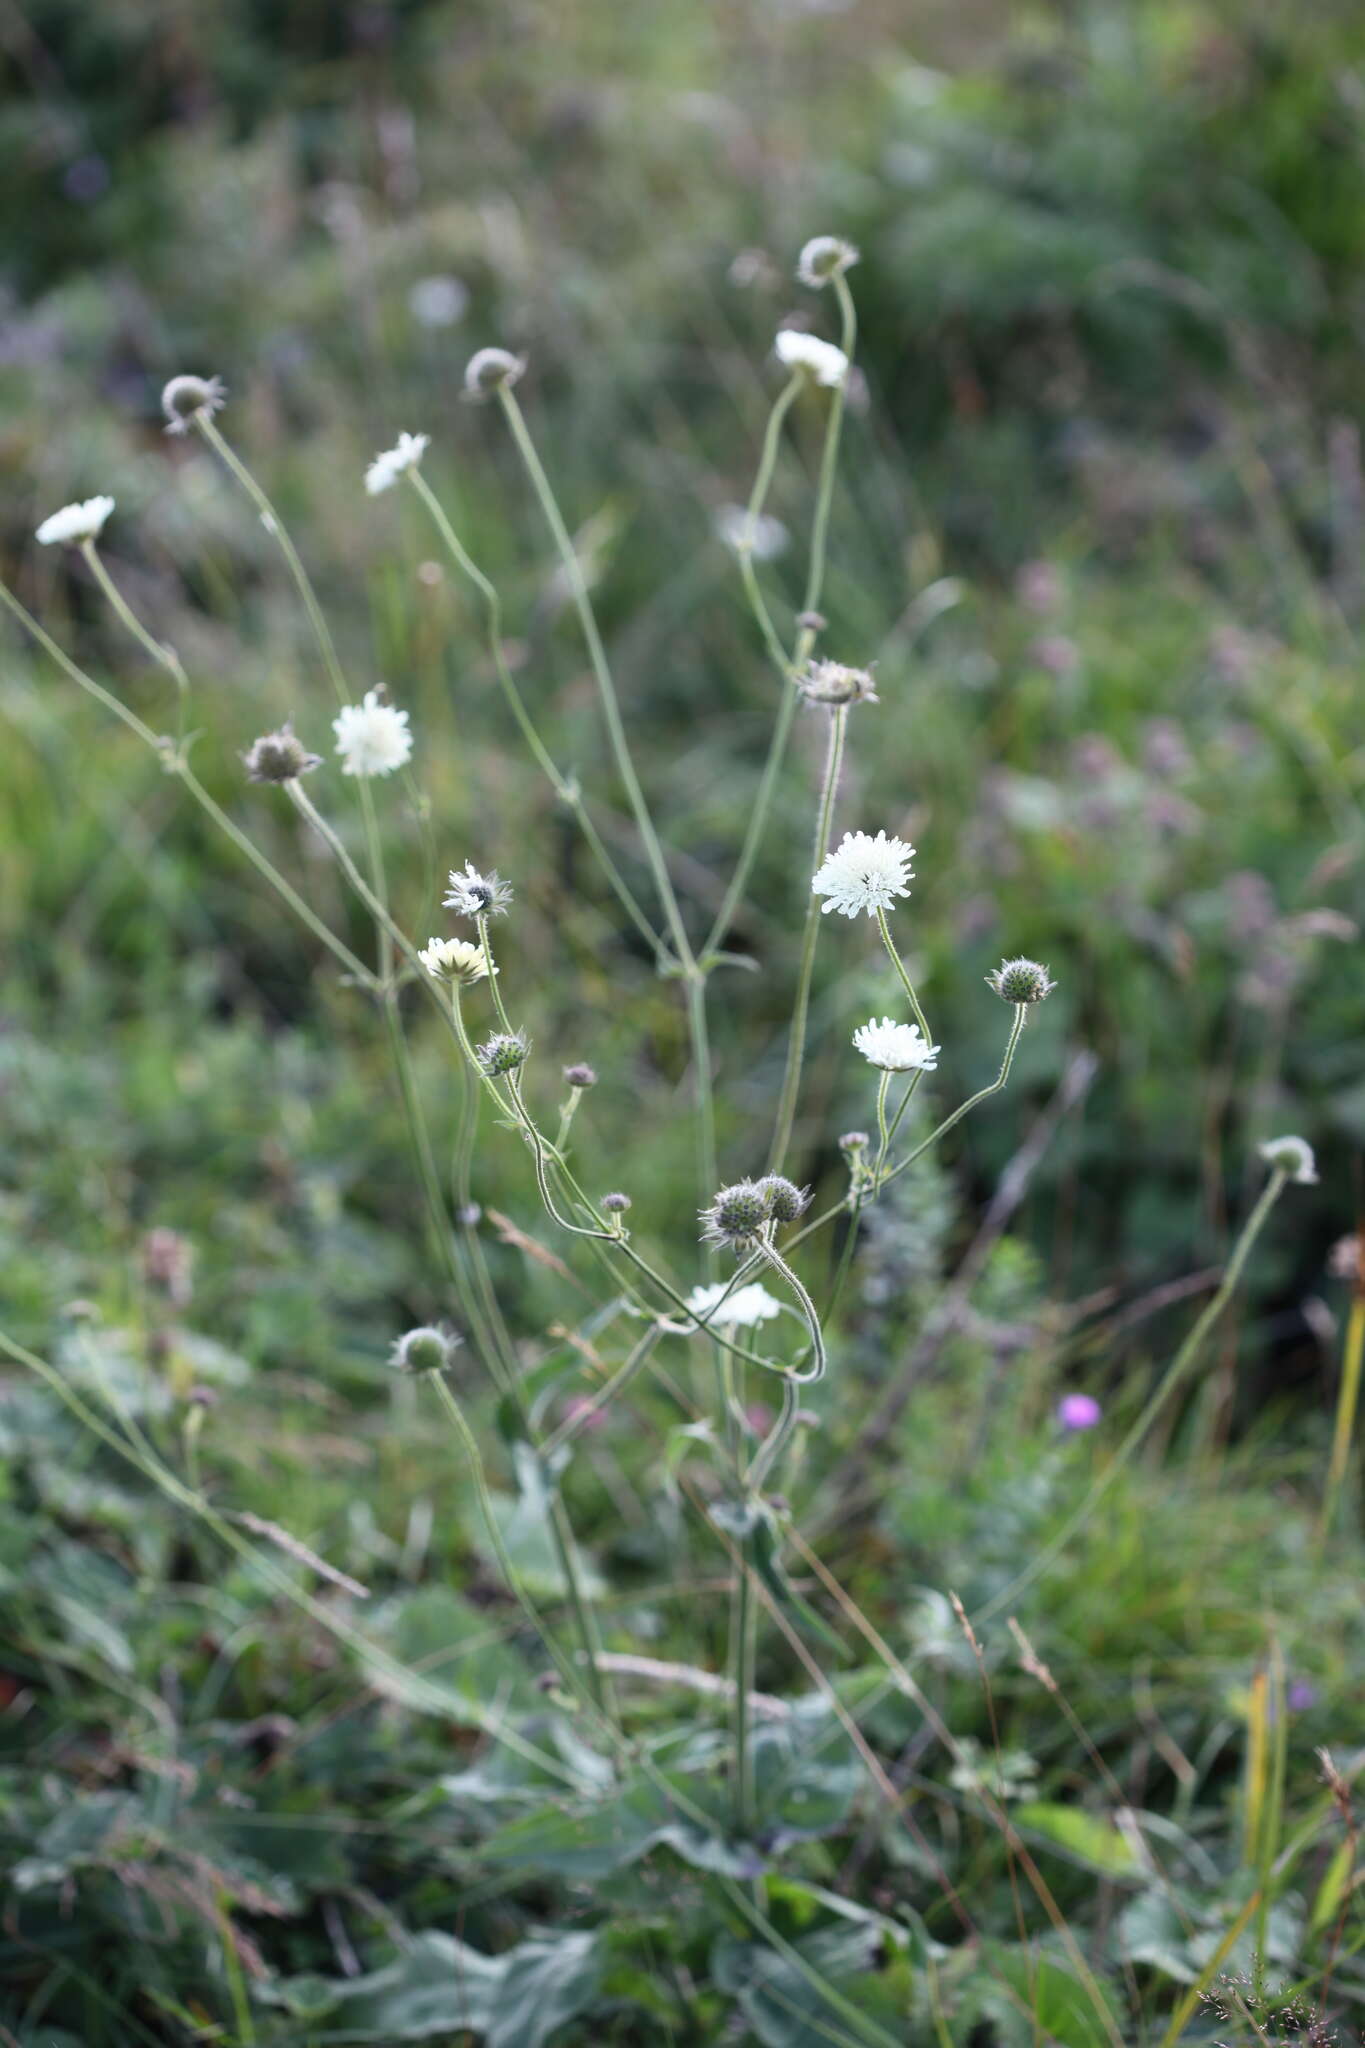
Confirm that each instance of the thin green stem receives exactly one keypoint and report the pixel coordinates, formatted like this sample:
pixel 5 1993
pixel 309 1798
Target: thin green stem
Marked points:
pixel 583 1415
pixel 166 657
pixel 899 965
pixel 565 788
pixel 1347 1402
pixel 883 1133
pixel 796 1043
pixel 1169 1384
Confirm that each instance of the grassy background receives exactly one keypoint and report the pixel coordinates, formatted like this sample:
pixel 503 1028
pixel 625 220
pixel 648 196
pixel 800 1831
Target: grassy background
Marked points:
pixel 1098 524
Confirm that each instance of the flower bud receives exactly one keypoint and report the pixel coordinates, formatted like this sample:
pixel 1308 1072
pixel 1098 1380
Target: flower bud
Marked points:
pixel 825 257
pixel 616 1204
pixel 504 1052
pixel 580 1075
pixel 1021 981
pixel 782 1199
pixel 854 1141
pixel 186 399
pixel 736 1216
pixel 279 757
pixel 1291 1156
pixel 489 370
pixel 424 1350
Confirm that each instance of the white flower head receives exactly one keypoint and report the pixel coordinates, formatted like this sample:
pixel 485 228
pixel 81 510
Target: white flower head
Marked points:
pixel 744 1307
pixel 825 257
pixel 454 960
pixel 474 895
pixel 187 399
pixel 864 875
pixel 820 360
pixel 372 737
pixel 384 472
pixel 766 542
pixel 76 522
pixel 896 1048
pixel 1292 1156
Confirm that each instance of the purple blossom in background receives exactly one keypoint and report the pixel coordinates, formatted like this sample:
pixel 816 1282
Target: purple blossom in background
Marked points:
pixel 1301 1696
pixel 1078 1411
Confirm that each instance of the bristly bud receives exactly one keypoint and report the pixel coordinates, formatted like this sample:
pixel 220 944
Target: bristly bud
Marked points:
pixel 504 1052
pixel 825 257
pixel 1291 1156
pixel 1021 981
pixel 474 895
pixel 581 1075
pixel 831 682
pixel 736 1217
pixel 186 399
pixel 489 370
pixel 279 757
pixel 424 1350
pixel 782 1199
pixel 616 1204
pixel 854 1141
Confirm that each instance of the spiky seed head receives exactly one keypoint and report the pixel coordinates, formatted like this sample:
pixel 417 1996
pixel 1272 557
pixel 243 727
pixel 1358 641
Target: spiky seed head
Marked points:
pixel 490 369
pixel 185 399
pixel 832 682
pixel 423 1350
pixel 581 1075
pixel 782 1199
pixel 279 757
pixel 737 1215
pixel 1291 1156
pixel 1021 981
pixel 616 1204
pixel 825 257
pixel 504 1052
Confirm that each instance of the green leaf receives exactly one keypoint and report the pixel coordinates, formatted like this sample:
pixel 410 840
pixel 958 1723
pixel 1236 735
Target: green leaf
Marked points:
pixel 784 2007
pixel 590 1843
pixel 547 1982
pixel 1327 1904
pixel 1049 2003
pixel 1083 1836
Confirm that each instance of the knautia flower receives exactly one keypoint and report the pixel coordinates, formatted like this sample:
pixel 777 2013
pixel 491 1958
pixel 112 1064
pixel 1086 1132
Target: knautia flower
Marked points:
pixel 474 895
pixel 736 1217
pixel 384 472
pixel 454 960
pixel 75 523
pixel 279 757
pixel 782 1198
pixel 489 369
pixel 864 875
pixel 820 360
pixel 184 399
pixel 1020 981
pixel 896 1048
pixel 1293 1156
pixel 372 737
pixel 424 1350
pixel 825 257
pixel 504 1052
pixel 831 682
pixel 1078 1411
pixel 745 1307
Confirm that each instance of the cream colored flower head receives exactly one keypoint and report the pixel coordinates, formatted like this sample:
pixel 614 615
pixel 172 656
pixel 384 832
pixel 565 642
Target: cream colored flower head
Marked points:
pixel 372 737
pixel 454 960
pixel 820 360
pixel 744 1307
pixel 76 523
pixel 895 1048
pixel 384 472
pixel 864 875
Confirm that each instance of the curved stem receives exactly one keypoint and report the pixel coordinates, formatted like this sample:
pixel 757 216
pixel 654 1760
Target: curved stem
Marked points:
pixel 605 1395
pixel 165 656
pixel 899 966
pixel 796 1043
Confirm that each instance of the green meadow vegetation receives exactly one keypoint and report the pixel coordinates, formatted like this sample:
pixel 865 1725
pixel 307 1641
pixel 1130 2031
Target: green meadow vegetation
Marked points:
pixel 425 1613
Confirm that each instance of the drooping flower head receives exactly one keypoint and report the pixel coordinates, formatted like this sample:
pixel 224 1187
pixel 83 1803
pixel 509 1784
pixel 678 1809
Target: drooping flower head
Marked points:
pixel 825 257
pixel 454 960
pixel 1021 981
pixel 832 682
pixel 736 1217
pixel 279 757
pixel 896 1048
pixel 186 399
pixel 744 1307
pixel 489 369
pixel 372 737
pixel 424 1350
pixel 820 360
pixel 1292 1156
pixel 75 523
pixel 504 1052
pixel 474 895
pixel 864 875
pixel 384 472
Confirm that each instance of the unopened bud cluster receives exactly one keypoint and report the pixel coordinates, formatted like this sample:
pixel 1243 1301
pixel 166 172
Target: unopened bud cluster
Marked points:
pixel 741 1213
